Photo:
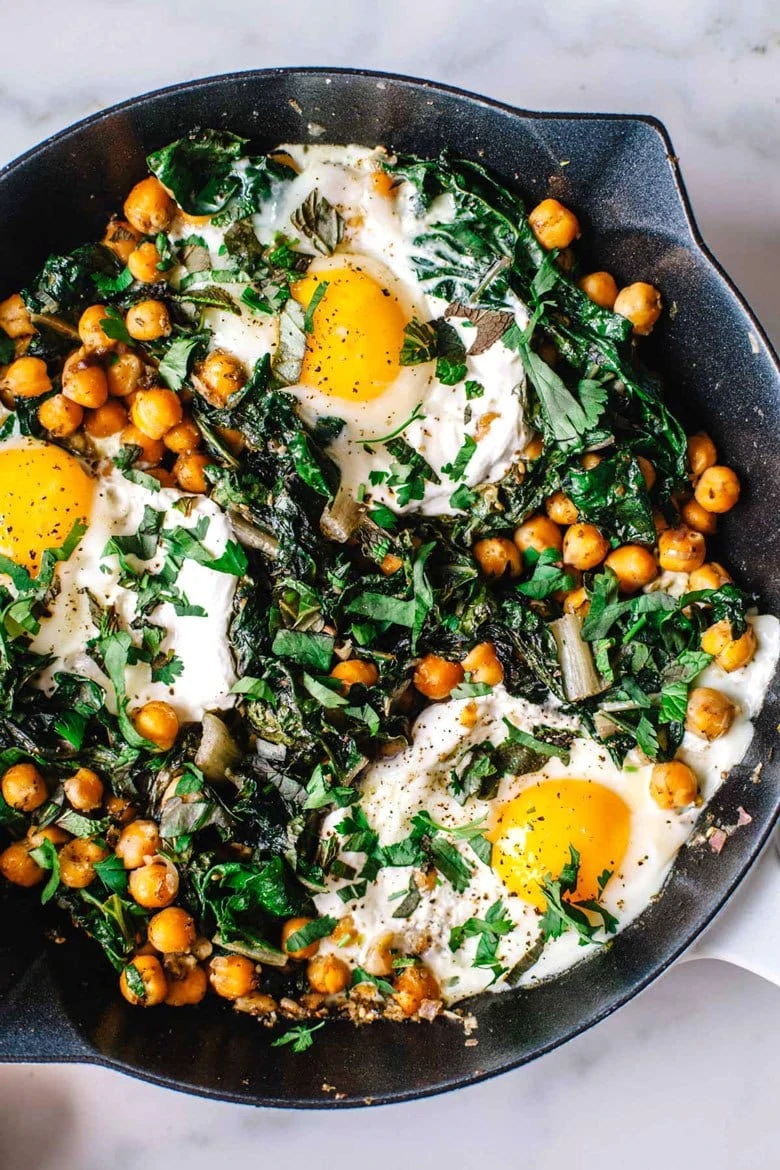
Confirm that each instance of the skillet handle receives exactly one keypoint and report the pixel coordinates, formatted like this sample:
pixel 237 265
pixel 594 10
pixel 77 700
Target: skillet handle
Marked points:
pixel 747 931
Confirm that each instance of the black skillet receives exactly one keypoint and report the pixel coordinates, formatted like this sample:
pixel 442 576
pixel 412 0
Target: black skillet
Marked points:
pixel 60 1002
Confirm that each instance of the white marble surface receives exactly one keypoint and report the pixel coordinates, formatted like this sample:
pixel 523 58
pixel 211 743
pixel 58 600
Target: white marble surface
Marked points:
pixel 686 1075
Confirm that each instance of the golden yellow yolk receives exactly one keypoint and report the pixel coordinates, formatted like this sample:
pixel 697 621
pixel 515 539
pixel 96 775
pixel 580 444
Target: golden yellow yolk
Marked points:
pixel 533 833
pixel 43 492
pixel 357 330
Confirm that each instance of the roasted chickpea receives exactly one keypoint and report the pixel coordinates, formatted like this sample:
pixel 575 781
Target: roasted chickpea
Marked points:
pixel 584 547
pixel 577 602
pixel 84 790
pixel 27 377
pixel 24 788
pixel 641 304
pixel 435 677
pixel 699 518
pixel 710 576
pixel 84 380
pixel 648 471
pixel 60 416
pixel 328 974
pixel 36 837
pixel 155 411
pixel 77 862
pixel 379 956
pixel 164 477
pixel 124 374
pixel 533 449
pixel 152 450
pixel 710 713
pixel 120 810
pixel 121 238
pixel 483 666
pixel 717 489
pixel 148 320
pixel 413 986
pixel 538 533
pixel 19 868
pixel 497 555
pixel 345 933
pixel 189 472
pixel 154 886
pixel 232 976
pixel 633 566
pixel 291 927
pixel 158 722
pixel 138 842
pixel 107 420
pixel 681 549
pixel 143 263
pixel 91 332
pixel 155 986
pixel 172 931
pixel 601 288
pixel 701 453
pixel 673 785
pixel 730 653
pixel 149 208
pixel 219 376
pixel 15 319
pixel 553 224
pixel 183 438
pixel 561 509
pixel 355 670
pixel 187 990
pixel 590 460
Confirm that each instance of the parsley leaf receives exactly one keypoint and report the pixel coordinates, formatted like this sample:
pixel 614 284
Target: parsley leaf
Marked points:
pixel 300 1037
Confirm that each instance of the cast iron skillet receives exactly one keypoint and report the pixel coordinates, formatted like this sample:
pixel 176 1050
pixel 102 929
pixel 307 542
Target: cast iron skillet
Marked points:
pixel 60 1002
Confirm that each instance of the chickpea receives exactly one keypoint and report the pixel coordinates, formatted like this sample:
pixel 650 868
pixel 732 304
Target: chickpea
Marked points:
pixel 584 547
pixel 91 332
pixel 590 461
pixel 137 842
pixel 497 556
pixel 172 931
pixel 143 264
pixel 648 471
pixel 148 320
pixel 291 927
pixel 717 489
pixel 413 986
pixel 730 653
pixel 710 576
pixel 164 477
pixel 660 523
pixel 83 380
pixel 124 374
pixel 710 713
pixel 158 722
pixel 328 974
pixel 355 670
pixel 189 472
pixel 60 416
pixel 149 208
pixel 84 790
pixel 152 450
pixel 483 665
pixel 77 862
pixel 220 375
pixel 699 518
pixel 435 677
pixel 533 449
pixel 27 377
pixel 19 868
pixel 539 533
pixel 121 238
pixel 149 968
pixel 379 956
pixel 188 990
pixel 24 788
pixel 601 288
pixel 561 509
pixel 344 932
pixel 553 224
pixel 641 304
pixel 633 566
pixel 154 886
pixel 673 785
pixel 681 549
pixel 701 453
pixel 53 833
pixel 14 318
pixel 155 411
pixel 183 438
pixel 106 420
pixel 232 976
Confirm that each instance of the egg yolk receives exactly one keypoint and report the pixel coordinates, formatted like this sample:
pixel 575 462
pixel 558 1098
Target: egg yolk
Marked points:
pixel 356 332
pixel 43 492
pixel 533 833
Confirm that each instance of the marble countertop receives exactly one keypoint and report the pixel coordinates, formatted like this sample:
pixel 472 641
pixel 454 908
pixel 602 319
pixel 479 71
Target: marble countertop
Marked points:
pixel 686 1074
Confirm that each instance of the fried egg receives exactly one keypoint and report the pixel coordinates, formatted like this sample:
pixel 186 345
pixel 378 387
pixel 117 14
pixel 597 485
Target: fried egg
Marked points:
pixel 625 842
